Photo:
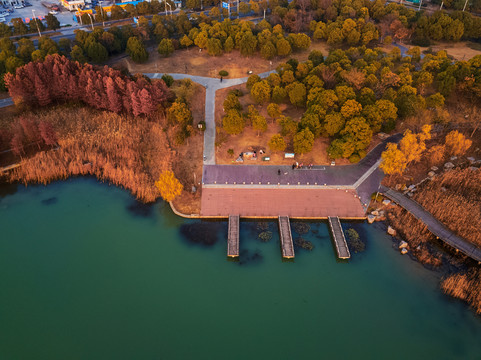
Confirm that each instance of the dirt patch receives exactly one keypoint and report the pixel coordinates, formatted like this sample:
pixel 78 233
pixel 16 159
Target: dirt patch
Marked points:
pixel 250 141
pixel 194 62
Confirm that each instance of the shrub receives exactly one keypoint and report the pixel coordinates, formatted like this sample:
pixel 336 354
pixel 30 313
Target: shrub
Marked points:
pixel 169 80
pixel 223 73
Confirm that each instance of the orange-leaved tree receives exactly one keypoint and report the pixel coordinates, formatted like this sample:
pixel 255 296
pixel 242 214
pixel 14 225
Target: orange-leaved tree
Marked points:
pixel 393 160
pixel 168 186
pixel 457 143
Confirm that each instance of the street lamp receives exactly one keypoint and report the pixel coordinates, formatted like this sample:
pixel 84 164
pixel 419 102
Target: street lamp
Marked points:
pixel 36 22
pixel 91 20
pixel 103 14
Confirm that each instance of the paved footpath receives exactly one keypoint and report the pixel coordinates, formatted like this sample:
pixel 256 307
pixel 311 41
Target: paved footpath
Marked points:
pixel 211 85
pixel 435 226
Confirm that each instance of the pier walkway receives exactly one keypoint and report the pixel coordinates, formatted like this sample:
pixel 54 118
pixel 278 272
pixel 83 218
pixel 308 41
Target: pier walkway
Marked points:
pixel 435 226
pixel 339 239
pixel 286 237
pixel 233 237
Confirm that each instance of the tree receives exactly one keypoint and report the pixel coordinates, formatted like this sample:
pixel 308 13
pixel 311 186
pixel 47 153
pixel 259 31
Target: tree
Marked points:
pixel 52 22
pixel 214 47
pixel 232 102
pixel 311 121
pixel 186 41
pixel 136 50
pixel 165 47
pixel 411 147
pixel 251 80
pixel 179 113
pixel 274 111
pixel 279 94
pixel 316 57
pixel 334 123
pixel 283 47
pixel 268 50
pixel 77 54
pixel 233 122
pixel 168 186
pixel 247 43
pixel 229 44
pixel 277 143
pixel 359 132
pixel 261 92
pixel 350 109
pixel 97 52
pixel 303 141
pixel 456 143
pixel 259 123
pixel 393 160
pixel 25 49
pixel 297 94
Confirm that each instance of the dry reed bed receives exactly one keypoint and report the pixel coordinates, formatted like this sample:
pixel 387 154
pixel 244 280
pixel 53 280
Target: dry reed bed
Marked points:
pixel 125 151
pixel 454 198
pixel 416 234
pixel 466 287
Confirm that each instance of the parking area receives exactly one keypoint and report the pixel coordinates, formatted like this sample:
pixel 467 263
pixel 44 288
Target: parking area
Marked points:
pixel 25 9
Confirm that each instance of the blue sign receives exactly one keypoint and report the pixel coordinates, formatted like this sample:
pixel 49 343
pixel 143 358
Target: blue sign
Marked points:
pixel 225 5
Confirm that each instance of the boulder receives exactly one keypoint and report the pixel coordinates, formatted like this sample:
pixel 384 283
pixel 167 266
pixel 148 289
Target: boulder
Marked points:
pixel 431 173
pixel 382 213
pixel 403 244
pixel 386 202
pixel 397 187
pixel 453 158
pixel 370 219
pixel 391 231
pixel 434 168
pixel 404 251
pixel 448 165
pixel 473 168
pixel 375 213
pixel 471 159
pixel 412 188
pixel 443 189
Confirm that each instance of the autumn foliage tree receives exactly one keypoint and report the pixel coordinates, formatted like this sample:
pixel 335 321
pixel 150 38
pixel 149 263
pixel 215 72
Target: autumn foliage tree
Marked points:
pixel 58 79
pixel 393 160
pixel 456 143
pixel 169 186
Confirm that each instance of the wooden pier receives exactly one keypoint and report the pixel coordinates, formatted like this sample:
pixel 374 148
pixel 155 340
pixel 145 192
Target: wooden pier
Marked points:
pixel 233 237
pixel 339 239
pixel 286 237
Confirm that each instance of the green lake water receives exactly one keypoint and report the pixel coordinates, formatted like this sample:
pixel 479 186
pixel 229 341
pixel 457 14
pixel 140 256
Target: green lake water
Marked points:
pixel 88 273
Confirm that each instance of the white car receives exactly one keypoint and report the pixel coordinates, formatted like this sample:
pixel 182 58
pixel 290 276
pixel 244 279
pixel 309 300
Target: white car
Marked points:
pixel 18 6
pixel 53 12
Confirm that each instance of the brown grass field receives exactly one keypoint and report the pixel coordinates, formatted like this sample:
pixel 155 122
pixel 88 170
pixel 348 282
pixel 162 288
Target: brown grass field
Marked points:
pixel 192 61
pixel 460 50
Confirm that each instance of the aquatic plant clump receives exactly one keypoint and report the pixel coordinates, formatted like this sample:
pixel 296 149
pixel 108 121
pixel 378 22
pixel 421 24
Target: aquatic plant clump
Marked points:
pixel 354 240
pixel 301 228
pixel 265 236
pixel 304 244
pixel 262 226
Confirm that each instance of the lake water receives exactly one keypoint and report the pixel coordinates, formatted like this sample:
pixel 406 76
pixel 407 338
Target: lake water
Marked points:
pixel 88 273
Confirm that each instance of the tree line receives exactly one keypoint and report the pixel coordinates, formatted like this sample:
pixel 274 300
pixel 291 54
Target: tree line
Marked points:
pixel 58 79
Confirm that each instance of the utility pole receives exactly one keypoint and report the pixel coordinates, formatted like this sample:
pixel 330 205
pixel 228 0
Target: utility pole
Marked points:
pixel 238 13
pixel 466 3
pixel 420 3
pixel 441 7
pixel 36 22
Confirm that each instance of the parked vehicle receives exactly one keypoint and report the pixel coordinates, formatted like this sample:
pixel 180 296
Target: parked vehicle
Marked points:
pixel 53 12
pixel 18 6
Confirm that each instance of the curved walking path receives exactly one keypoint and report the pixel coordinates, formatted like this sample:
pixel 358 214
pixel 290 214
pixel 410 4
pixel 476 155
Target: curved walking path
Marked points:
pixel 434 225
